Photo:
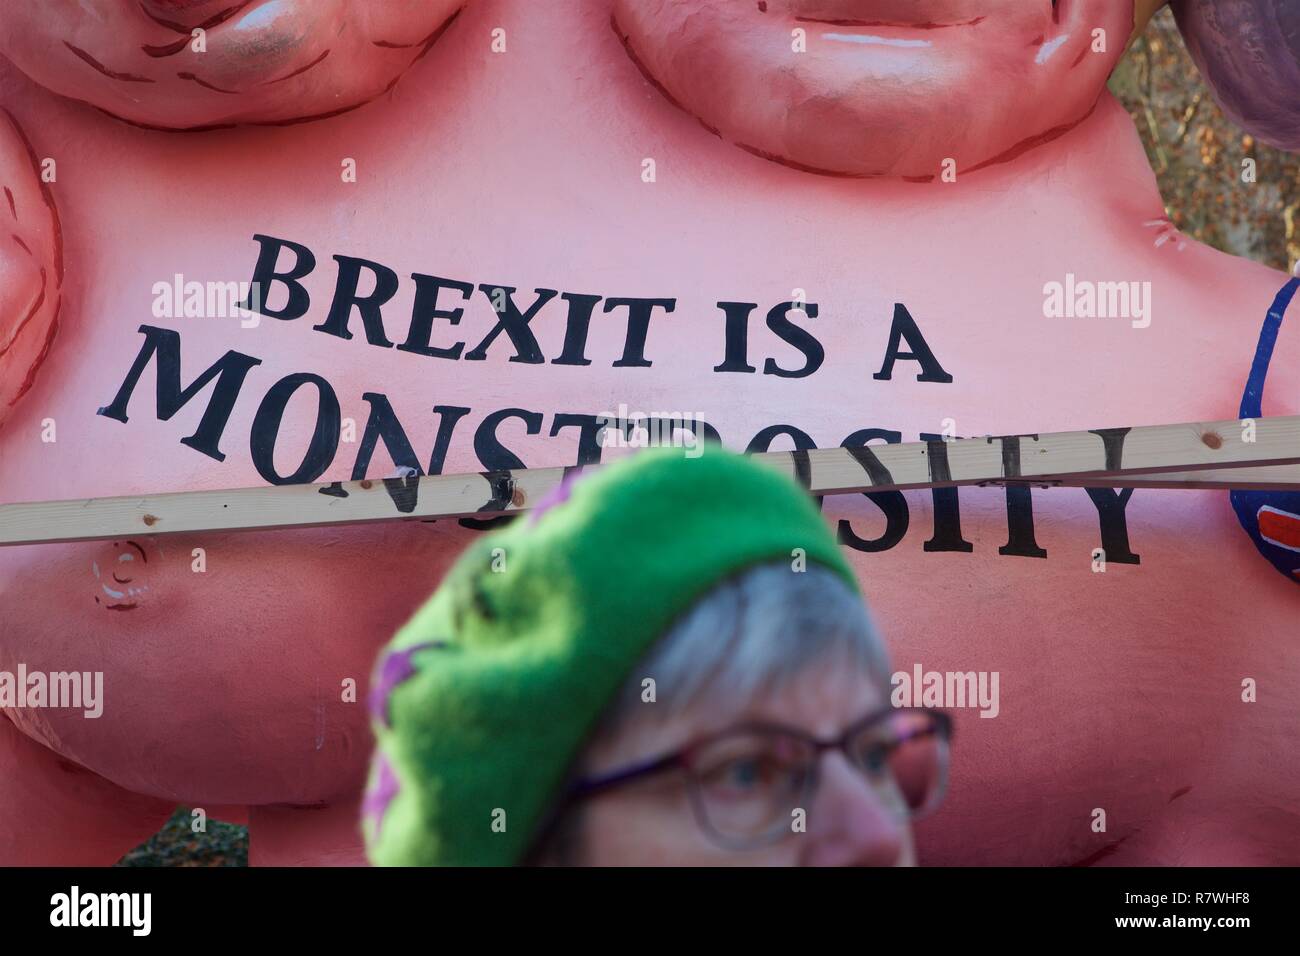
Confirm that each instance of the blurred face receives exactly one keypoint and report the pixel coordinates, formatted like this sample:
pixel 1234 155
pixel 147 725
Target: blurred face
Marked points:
pixel 257 61
pixel 849 819
pixel 881 87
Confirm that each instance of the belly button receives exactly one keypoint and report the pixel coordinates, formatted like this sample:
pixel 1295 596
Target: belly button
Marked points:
pixel 119 572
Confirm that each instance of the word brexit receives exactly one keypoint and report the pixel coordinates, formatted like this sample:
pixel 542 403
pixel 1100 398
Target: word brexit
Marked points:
pixel 516 322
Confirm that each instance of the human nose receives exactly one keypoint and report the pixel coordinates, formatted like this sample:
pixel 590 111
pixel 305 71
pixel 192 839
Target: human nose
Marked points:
pixel 851 824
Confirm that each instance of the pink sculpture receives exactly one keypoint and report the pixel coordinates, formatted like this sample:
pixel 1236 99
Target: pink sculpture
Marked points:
pixel 646 262
pixel 882 86
pixel 31 266
pixel 190 64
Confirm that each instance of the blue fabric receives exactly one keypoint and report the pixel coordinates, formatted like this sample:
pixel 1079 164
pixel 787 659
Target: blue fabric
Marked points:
pixel 1280 509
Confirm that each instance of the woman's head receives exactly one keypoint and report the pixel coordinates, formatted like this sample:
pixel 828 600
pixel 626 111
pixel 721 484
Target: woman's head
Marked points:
pixel 666 661
pixel 760 666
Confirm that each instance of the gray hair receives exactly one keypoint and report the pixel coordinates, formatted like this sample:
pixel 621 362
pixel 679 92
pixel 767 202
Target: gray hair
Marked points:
pixel 747 636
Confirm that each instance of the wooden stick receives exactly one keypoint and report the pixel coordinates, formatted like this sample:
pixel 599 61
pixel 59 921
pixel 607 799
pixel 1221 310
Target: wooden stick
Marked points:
pixel 1274 478
pixel 1188 455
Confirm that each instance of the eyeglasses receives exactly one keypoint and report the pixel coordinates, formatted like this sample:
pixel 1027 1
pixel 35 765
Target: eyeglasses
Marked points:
pixel 745 783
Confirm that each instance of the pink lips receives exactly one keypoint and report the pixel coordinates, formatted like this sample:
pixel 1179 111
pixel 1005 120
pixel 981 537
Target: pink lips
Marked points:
pixel 901 12
pixel 916 13
pixel 186 14
pixel 172 7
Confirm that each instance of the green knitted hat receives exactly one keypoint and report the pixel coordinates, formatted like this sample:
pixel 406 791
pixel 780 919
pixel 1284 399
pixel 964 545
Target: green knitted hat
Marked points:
pixel 485 696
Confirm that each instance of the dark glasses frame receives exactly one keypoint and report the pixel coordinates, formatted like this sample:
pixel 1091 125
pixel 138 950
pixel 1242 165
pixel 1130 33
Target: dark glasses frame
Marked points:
pixel 681 759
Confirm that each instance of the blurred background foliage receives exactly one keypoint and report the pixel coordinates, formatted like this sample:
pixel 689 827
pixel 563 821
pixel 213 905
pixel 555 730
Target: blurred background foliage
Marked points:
pixel 1197 155
pixel 224 844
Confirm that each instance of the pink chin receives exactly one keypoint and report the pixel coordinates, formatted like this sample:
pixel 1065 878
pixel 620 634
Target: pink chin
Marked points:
pixel 262 61
pixel 880 88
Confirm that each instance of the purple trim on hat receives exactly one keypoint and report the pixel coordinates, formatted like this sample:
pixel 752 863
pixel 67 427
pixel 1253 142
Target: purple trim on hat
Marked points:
pixel 395 669
pixel 557 495
pixel 380 795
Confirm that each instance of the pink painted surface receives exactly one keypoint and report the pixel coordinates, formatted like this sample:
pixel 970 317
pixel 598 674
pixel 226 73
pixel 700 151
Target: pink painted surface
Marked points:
pixel 885 87
pixel 59 814
pixel 31 266
pixel 1119 690
pixel 255 61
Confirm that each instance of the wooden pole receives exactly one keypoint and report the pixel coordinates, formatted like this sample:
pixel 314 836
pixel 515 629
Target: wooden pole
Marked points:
pixel 1222 454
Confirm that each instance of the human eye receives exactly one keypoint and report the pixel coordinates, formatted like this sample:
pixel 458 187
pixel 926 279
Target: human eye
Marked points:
pixel 873 756
pixel 743 775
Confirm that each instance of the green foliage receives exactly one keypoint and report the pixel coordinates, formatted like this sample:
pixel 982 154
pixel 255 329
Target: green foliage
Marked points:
pixel 1197 155
pixel 224 844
